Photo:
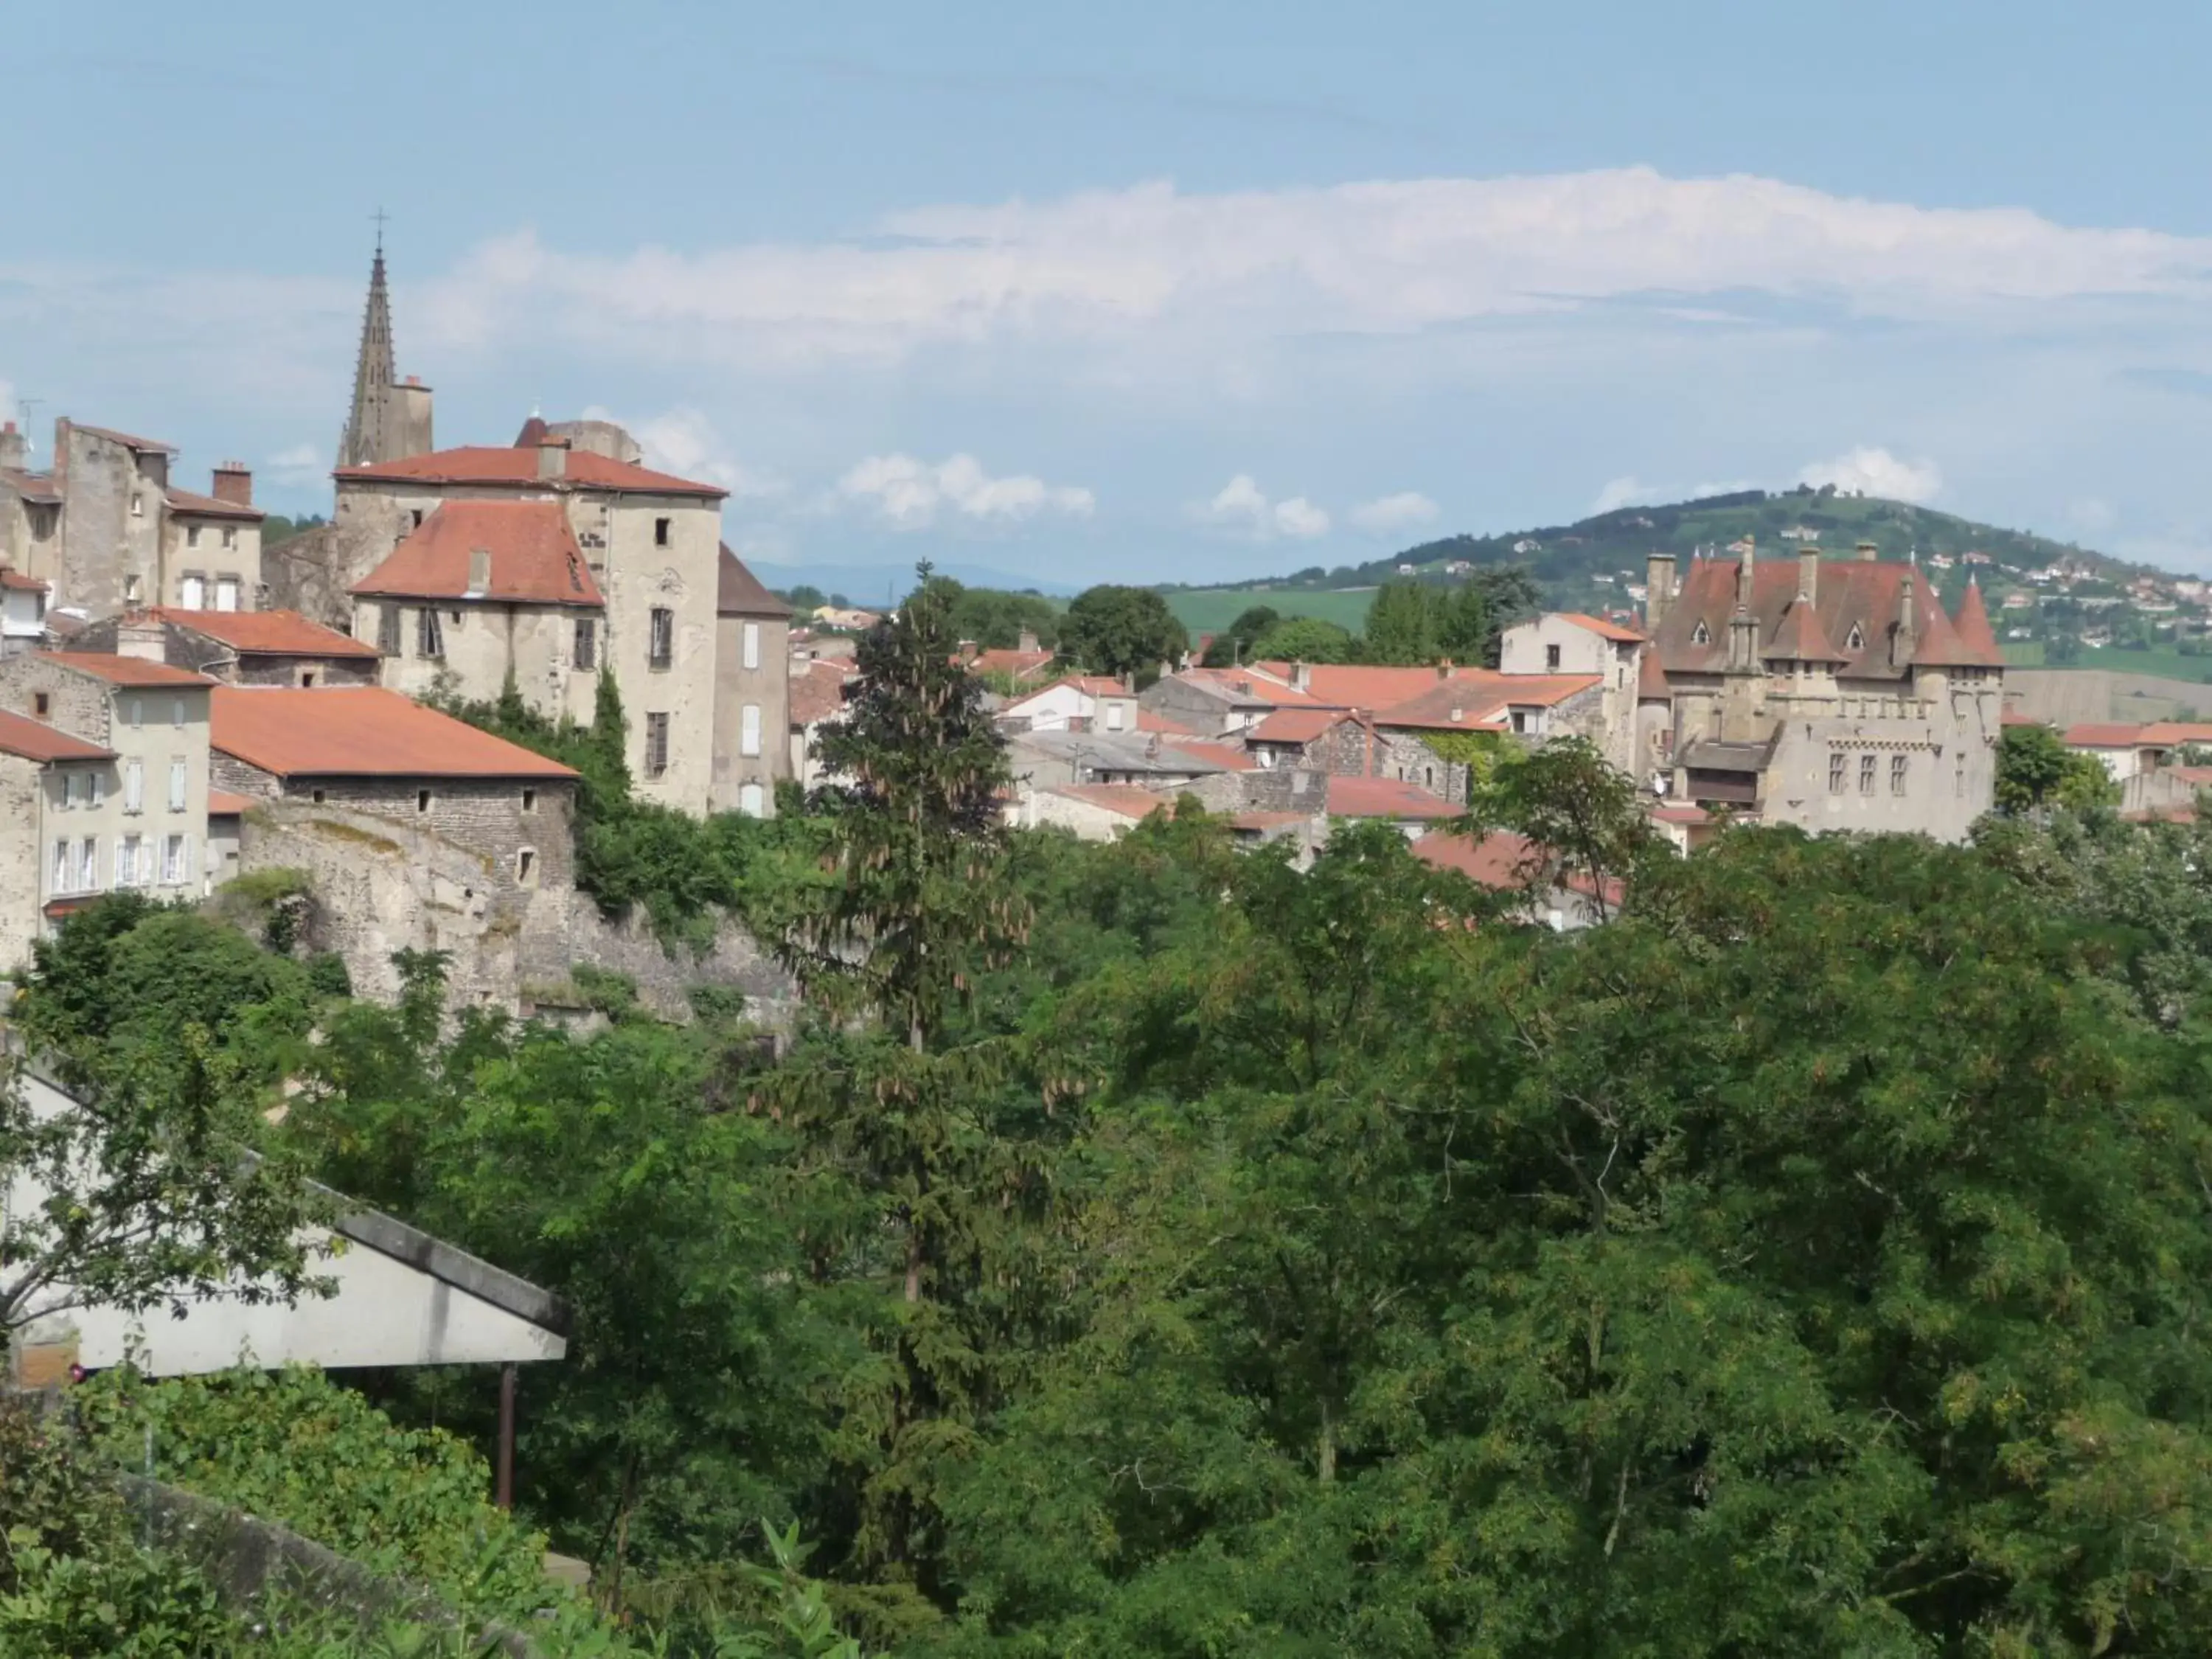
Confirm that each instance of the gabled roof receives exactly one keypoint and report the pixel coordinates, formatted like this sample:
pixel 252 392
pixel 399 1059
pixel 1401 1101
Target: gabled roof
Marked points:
pixel 583 469
pixel 1502 861
pixel 223 804
pixel 359 731
pixel 1348 685
pixel 1859 600
pixel 534 557
pixel 2094 734
pixel 1019 664
pixel 2173 733
pixel 211 506
pixel 1151 720
pixel 1601 628
pixel 1482 703
pixel 20 582
pixel 1298 726
pixel 1214 754
pixel 1386 798
pixel 268 633
pixel 30 486
pixel 1248 688
pixel 35 740
pixel 132 672
pixel 1121 798
pixel 141 446
pixel 1799 639
pixel 1091 685
pixel 818 691
pixel 739 592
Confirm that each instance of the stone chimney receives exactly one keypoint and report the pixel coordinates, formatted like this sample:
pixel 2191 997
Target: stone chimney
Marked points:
pixel 233 482
pixel 138 634
pixel 1029 639
pixel 553 459
pixel 1658 588
pixel 1809 574
pixel 14 447
pixel 1302 676
pixel 1902 641
pixel 1866 552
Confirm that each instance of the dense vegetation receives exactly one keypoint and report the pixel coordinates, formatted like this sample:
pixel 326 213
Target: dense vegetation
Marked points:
pixel 1408 622
pixel 1151 1248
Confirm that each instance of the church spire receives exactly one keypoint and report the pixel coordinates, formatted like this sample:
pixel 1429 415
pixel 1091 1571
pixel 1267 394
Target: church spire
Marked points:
pixel 368 434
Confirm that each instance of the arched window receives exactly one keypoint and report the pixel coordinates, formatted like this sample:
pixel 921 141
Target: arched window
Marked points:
pixel 1858 641
pixel 1701 635
pixel 1428 777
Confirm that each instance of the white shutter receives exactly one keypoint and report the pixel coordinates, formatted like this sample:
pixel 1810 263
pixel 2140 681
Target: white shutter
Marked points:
pixel 749 730
pixel 226 593
pixel 193 593
pixel 134 785
pixel 99 787
pixel 750 800
pixel 752 644
pixel 177 773
pixel 61 867
pixel 87 864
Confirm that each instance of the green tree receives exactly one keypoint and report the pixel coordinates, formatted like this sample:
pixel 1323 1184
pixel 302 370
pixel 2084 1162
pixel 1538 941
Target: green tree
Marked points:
pixel 1306 639
pixel 1401 624
pixel 1118 630
pixel 1580 815
pixel 806 598
pixel 1236 642
pixel 2035 769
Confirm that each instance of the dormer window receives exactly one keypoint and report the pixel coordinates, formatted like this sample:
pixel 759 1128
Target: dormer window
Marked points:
pixel 1858 641
pixel 1701 635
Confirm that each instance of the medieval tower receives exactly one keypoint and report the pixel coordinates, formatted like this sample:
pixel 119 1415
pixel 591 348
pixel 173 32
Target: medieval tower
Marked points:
pixel 390 417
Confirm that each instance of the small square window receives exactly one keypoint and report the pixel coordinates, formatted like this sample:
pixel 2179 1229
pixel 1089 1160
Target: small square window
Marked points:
pixel 530 800
pixel 1552 657
pixel 660 529
pixel 421 801
pixel 40 703
pixel 316 796
pixel 526 866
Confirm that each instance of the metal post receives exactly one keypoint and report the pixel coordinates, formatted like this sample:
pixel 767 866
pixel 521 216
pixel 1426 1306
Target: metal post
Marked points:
pixel 505 1495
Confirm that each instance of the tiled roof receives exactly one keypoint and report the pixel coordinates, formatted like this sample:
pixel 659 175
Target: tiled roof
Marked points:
pixel 20 581
pixel 2103 735
pixel 1019 664
pixel 1092 685
pixel 268 633
pixel 1483 701
pixel 1973 629
pixel 1386 798
pixel 35 740
pixel 142 445
pixel 739 592
pixel 486 465
pixel 1651 679
pixel 534 557
pixel 124 670
pixel 1340 685
pixel 1681 812
pixel 2171 733
pixel 209 507
pixel 1799 638
pixel 818 692
pixel 1152 720
pixel 1263 821
pixel 359 731
pixel 1299 726
pixel 1501 861
pixel 1601 626
pixel 222 804
pixel 30 486
pixel 1122 797
pixel 1248 686
pixel 1854 597
pixel 1216 754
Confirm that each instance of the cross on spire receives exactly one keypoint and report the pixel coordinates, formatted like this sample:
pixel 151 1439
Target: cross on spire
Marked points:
pixel 380 216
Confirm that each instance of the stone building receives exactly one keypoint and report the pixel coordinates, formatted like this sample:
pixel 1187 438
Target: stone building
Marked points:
pixel 105 528
pixel 752 691
pixel 135 814
pixel 1830 694
pixel 243 648
pixel 371 752
pixel 484 592
pixel 1570 643
pixel 58 797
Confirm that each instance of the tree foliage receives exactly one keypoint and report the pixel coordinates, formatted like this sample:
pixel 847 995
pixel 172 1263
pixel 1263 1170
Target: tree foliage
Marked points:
pixel 1118 630
pixel 2035 769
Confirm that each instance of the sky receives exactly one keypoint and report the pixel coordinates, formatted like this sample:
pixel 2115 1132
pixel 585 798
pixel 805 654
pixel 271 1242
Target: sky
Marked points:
pixel 1154 291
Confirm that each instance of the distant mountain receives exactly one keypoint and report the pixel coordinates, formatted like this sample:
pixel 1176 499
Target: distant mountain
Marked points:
pixel 875 585
pixel 1577 563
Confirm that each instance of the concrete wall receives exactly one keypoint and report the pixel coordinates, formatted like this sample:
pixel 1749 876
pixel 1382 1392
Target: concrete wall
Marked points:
pixel 227 550
pixel 764 688
pixel 484 644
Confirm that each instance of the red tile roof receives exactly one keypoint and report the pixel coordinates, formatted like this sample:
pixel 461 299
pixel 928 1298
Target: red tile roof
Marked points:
pixel 2094 734
pixel 222 804
pixel 1267 820
pixel 124 670
pixel 1386 798
pixel 1799 637
pixel 534 557
pixel 268 633
pixel 485 465
pixel 1122 797
pixel 1854 596
pixel 1022 664
pixel 20 582
pixel 2172 733
pixel 1299 726
pixel 1341 686
pixel 1483 701
pixel 209 507
pixel 359 731
pixel 1248 686
pixel 817 692
pixel 1216 754
pixel 1502 861
pixel 143 445
pixel 1600 626
pixel 739 592
pixel 35 740
pixel 1651 679
pixel 1972 627
pixel 30 486
pixel 1151 720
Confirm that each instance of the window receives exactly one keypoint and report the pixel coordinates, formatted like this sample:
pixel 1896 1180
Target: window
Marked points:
pixel 526 866
pixel 1835 769
pixel 129 850
pixel 60 884
pixel 99 787
pixel 230 537
pixel 1866 775
pixel 177 775
pixel 387 628
pixel 416 516
pixel 137 711
pixel 70 789
pixel 192 593
pixel 1115 715
pixel 88 865
pixel 586 653
pixel 660 529
pixel 1521 719
pixel 1428 777
pixel 751 635
pixel 421 801
pixel 1899 765
pixel 193 536
pixel 749 730
pixel 530 800
pixel 660 646
pixel 137 505
pixel 306 679
pixel 429 636
pixel 1858 641
pixel 40 703
pixel 317 796
pixel 1958 777
pixel 177 711
pixel 176 861
pixel 1551 656
pixel 751 800
pixel 131 590
pixel 226 592
pixel 656 745
pixel 134 785
pixel 1701 635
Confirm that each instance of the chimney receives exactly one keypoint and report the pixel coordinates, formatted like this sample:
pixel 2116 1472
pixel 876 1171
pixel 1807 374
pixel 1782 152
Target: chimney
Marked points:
pixel 14 447
pixel 553 459
pixel 1866 552
pixel 233 482
pixel 1743 574
pixel 138 634
pixel 1809 574
pixel 1027 642
pixel 1902 642
pixel 1301 676
pixel 1658 588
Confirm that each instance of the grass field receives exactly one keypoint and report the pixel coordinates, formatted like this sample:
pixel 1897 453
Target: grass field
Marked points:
pixel 1210 609
pixel 2167 664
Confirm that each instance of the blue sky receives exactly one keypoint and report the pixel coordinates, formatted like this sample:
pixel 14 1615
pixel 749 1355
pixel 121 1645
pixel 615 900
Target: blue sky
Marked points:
pixel 1153 291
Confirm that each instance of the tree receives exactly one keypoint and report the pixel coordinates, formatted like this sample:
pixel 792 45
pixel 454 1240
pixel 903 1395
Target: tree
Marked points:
pixel 1305 639
pixel 1580 815
pixel 2035 769
pixel 1508 595
pixel 806 598
pixel 1118 630
pixel 1401 624
pixel 1466 628
pixel 1234 643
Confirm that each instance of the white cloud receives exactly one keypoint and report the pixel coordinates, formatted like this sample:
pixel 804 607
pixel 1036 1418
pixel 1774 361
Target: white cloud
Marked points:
pixel 1383 257
pixel 297 467
pixel 1630 491
pixel 1240 505
pixel 684 441
pixel 1871 471
pixel 1407 510
pixel 910 494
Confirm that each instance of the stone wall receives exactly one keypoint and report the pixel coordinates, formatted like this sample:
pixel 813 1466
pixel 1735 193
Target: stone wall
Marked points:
pixel 314 572
pixel 186 647
pixel 484 643
pixel 21 850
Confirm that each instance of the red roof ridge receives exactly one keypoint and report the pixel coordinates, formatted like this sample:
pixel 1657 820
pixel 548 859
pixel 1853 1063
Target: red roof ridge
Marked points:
pixel 533 557
pixel 359 731
pixel 211 507
pixel 267 633
pixel 119 669
pixel 485 464
pixel 35 740
pixel 1599 625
